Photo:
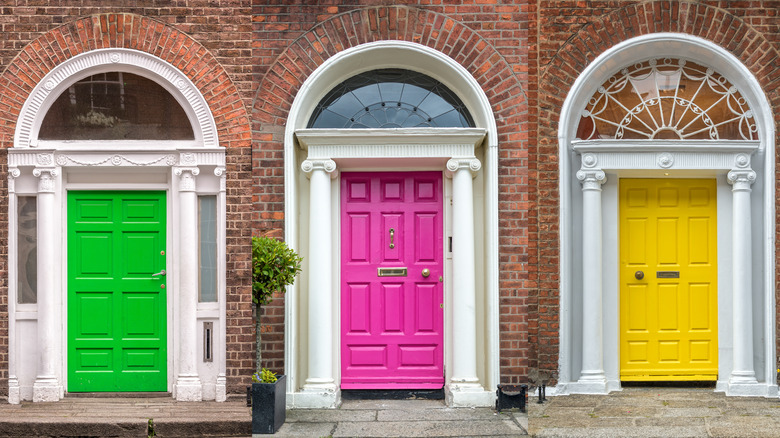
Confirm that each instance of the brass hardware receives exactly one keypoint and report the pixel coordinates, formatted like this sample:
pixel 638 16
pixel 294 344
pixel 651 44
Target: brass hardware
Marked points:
pixel 441 279
pixel 391 272
pixel 162 252
pixel 208 330
pixel 392 234
pixel 426 272
pixel 639 275
pixel 162 286
pixel 163 273
pixel 441 306
pixel 667 274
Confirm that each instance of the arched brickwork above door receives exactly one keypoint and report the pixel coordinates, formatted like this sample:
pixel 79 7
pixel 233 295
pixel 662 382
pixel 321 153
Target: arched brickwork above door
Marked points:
pixel 133 32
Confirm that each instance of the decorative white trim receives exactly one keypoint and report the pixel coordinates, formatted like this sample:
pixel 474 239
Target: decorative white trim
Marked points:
pixel 413 56
pixel 104 60
pixel 690 158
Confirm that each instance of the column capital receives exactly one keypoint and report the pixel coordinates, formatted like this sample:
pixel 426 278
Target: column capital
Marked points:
pixel 591 179
pixel 186 178
pixel 741 179
pixel 471 164
pixel 221 172
pixel 13 173
pixel 327 165
pixel 46 178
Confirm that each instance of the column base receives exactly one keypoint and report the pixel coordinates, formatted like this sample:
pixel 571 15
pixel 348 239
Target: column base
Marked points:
pixel 221 388
pixel 46 389
pixel 14 392
pixel 319 395
pixel 468 394
pixel 188 388
pixel 590 382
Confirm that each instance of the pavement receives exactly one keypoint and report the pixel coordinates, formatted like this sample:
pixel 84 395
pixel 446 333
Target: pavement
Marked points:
pixel 632 412
pixel 655 412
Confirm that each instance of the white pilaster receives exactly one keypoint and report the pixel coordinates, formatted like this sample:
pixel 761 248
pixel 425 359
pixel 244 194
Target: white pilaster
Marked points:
pixel 220 344
pixel 14 391
pixel 320 390
pixel 47 386
pixel 188 384
pixel 592 378
pixel 464 388
pixel 743 377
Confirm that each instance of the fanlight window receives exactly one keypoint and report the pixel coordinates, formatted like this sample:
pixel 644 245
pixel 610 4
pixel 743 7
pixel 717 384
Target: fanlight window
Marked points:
pixel 116 106
pixel 390 98
pixel 667 99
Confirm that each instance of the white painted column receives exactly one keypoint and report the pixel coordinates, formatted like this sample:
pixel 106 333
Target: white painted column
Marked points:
pixel 743 377
pixel 320 390
pixel 220 346
pixel 592 378
pixel 14 391
pixel 47 387
pixel 188 384
pixel 464 388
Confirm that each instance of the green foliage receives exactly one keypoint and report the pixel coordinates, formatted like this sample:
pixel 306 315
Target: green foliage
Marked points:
pixel 274 266
pixel 264 376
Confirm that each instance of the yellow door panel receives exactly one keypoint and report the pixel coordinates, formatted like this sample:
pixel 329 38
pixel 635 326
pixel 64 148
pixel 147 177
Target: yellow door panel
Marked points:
pixel 668 280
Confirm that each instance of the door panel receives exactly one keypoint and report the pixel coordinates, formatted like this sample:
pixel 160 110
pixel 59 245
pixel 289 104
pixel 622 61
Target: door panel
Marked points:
pixel 392 326
pixel 116 308
pixel 668 317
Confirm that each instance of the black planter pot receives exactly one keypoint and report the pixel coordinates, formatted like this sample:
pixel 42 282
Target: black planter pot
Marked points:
pixel 268 406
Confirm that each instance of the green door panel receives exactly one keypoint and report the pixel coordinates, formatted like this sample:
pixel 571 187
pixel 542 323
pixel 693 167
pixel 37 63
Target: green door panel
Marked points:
pixel 116 308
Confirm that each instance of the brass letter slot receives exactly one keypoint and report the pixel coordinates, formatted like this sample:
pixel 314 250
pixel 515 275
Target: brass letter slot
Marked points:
pixel 667 274
pixel 391 272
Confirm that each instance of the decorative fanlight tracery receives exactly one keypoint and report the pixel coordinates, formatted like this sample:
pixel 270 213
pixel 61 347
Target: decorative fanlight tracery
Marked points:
pixel 667 99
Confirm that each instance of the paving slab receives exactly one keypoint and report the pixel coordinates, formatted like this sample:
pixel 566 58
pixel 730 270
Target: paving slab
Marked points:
pixel 612 432
pixel 411 429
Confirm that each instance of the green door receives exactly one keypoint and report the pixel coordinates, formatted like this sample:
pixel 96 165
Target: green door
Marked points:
pixel 116 294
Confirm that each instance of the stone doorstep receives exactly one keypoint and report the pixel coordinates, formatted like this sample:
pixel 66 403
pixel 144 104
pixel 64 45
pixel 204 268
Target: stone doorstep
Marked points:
pixel 162 428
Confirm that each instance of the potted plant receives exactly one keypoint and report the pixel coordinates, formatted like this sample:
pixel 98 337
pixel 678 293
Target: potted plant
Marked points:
pixel 274 266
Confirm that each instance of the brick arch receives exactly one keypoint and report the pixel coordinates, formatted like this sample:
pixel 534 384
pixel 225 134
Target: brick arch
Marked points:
pixel 717 25
pixel 557 77
pixel 116 30
pixel 283 80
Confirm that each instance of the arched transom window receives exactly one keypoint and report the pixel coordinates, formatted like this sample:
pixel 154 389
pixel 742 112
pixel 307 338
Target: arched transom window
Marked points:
pixel 667 99
pixel 391 98
pixel 116 106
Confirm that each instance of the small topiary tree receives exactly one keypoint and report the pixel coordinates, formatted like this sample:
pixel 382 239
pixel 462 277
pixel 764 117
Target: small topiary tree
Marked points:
pixel 274 266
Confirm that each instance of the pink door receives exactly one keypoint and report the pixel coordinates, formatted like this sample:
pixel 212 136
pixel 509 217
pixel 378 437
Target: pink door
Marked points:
pixel 391 289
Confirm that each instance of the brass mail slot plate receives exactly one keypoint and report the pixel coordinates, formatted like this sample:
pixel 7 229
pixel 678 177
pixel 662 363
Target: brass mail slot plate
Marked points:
pixel 667 274
pixel 391 272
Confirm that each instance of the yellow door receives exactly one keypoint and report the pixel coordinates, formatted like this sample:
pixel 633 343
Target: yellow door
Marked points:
pixel 668 280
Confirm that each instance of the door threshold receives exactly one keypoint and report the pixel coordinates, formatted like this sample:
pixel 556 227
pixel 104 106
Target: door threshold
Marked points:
pixel 392 394
pixel 669 384
pixel 117 394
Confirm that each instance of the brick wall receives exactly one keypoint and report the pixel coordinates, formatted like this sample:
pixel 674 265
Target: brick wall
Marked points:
pixel 487 38
pixel 568 36
pixel 211 44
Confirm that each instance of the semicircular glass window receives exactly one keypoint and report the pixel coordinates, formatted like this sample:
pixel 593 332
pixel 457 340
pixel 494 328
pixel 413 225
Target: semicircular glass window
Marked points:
pixel 667 99
pixel 391 98
pixel 116 106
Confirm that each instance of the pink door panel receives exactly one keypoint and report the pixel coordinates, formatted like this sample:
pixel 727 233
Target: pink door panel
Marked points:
pixel 391 325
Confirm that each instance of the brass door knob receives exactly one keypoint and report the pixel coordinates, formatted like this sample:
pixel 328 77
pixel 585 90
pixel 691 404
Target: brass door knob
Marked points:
pixel 426 272
pixel 639 275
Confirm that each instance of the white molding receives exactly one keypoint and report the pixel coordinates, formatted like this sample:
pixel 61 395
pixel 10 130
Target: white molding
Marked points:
pixel 655 158
pixel 105 60
pixel 403 155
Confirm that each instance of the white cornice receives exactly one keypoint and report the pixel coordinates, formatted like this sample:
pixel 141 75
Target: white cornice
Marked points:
pixel 19 157
pixel 390 143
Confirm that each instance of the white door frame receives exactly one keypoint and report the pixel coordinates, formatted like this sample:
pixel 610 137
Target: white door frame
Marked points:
pixel 739 166
pixel 48 169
